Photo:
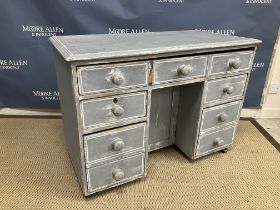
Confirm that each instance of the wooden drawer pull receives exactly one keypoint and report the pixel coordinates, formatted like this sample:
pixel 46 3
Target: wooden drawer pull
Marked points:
pixel 117 78
pixel 218 142
pixel 223 117
pixel 118 174
pixel 229 90
pixel 117 110
pixel 234 63
pixel 184 70
pixel 118 145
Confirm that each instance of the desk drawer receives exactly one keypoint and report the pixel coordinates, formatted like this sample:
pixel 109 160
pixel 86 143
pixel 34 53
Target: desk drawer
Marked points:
pixel 179 69
pixel 215 141
pixel 222 89
pixel 114 142
pixel 95 79
pixel 113 110
pixel 115 173
pixel 220 115
pixel 230 62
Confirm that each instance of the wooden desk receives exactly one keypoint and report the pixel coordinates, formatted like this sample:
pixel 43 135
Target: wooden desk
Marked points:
pixel 125 95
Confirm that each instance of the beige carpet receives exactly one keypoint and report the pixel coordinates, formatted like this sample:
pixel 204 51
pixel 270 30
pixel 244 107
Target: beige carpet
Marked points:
pixel 36 173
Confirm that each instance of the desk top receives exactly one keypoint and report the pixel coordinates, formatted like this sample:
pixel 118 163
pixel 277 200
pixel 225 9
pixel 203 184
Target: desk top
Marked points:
pixel 103 46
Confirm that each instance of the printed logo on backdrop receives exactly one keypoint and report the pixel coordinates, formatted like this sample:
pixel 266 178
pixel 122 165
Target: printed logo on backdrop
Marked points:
pixel 128 30
pixel 220 31
pixel 13 64
pixel 46 95
pixel 258 66
pixel 171 1
pixel 42 31
pixel 258 1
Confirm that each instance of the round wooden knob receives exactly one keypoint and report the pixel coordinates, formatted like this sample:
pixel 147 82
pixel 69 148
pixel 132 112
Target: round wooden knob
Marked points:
pixel 218 142
pixel 117 78
pixel 118 145
pixel 117 110
pixel 234 63
pixel 228 90
pixel 223 117
pixel 118 174
pixel 184 70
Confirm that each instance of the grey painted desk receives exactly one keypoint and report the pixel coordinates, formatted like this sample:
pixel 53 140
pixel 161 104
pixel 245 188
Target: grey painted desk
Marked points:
pixel 125 95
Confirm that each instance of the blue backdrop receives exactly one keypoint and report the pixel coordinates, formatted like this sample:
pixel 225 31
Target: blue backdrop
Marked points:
pixel 27 72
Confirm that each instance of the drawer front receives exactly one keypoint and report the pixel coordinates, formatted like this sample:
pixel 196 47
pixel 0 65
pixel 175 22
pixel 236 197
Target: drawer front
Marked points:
pixel 112 110
pixel 114 142
pixel 230 62
pixel 179 69
pixel 115 173
pixel 220 115
pixel 223 89
pixel 94 79
pixel 215 141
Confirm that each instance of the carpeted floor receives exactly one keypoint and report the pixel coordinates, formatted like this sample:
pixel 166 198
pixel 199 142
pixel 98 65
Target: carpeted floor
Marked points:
pixel 36 173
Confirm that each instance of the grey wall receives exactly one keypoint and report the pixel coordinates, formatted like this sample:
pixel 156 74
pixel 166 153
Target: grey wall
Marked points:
pixel 27 74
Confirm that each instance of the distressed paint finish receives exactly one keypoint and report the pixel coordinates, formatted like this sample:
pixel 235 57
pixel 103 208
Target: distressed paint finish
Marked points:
pixel 220 115
pixel 220 63
pixel 189 117
pixel 113 110
pixel 114 143
pixel 222 89
pixel 168 70
pixel 169 88
pixel 207 142
pixel 102 47
pixel 94 79
pixel 160 117
pixel 100 177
